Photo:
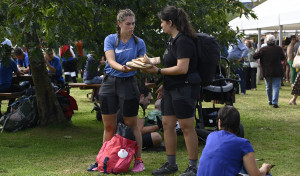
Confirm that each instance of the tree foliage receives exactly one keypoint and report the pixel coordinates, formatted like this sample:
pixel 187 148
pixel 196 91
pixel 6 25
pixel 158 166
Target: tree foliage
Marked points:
pixel 58 22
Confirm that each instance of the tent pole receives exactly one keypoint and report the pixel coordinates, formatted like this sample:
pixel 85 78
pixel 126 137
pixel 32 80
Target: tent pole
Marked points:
pixel 259 37
pixel 258 48
pixel 280 35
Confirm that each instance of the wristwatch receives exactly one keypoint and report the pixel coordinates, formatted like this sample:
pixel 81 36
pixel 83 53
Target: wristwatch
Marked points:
pixel 159 71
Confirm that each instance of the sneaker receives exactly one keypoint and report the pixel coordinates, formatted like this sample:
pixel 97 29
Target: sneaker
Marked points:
pixel 165 169
pixel 190 171
pixel 138 166
pixel 270 103
pixel 275 106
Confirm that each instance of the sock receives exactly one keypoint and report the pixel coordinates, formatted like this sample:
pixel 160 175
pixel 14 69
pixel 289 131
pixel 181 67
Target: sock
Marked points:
pixel 193 163
pixel 140 159
pixel 171 160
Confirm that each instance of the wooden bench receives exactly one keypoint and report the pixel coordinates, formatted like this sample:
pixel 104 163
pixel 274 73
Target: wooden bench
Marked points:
pixel 84 86
pixel 5 96
pixel 96 87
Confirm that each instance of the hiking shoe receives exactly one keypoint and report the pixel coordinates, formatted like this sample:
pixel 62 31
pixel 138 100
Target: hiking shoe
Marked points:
pixel 138 166
pixel 165 169
pixel 190 171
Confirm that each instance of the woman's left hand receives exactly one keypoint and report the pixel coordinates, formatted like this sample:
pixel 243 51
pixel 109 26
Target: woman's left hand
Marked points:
pixel 127 69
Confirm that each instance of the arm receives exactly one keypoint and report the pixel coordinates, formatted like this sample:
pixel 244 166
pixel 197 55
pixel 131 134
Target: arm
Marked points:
pixel 50 67
pixel 72 52
pixel 25 70
pixel 290 53
pixel 180 69
pixel 149 129
pixel 251 166
pixel 257 55
pixel 244 52
pixel 159 92
pixel 110 55
pixel 19 73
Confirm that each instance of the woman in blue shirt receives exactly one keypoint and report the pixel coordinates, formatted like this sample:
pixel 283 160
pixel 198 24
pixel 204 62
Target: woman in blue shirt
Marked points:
pixel 119 87
pixel 224 153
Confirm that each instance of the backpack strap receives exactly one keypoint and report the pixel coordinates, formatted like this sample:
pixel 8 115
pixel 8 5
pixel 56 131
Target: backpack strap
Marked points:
pixel 105 164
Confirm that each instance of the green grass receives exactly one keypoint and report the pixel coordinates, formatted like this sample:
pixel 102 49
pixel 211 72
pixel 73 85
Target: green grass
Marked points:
pixel 274 134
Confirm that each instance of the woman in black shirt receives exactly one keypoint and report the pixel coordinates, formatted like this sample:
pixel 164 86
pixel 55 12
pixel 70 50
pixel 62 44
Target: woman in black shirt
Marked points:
pixel 179 95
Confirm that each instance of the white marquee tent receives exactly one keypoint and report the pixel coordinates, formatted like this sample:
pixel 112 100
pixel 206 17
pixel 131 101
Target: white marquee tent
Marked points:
pixel 272 15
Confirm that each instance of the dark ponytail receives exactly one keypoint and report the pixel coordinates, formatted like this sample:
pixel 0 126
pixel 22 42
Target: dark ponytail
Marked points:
pixel 179 18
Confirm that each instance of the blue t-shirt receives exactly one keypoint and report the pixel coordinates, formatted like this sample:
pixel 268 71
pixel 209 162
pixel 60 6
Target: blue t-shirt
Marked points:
pixel 6 74
pixel 123 53
pixel 223 154
pixel 24 62
pixel 57 65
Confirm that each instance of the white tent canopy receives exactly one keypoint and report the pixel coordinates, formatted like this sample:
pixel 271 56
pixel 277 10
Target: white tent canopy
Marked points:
pixel 271 15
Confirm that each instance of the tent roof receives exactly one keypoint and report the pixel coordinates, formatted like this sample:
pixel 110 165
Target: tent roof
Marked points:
pixel 271 14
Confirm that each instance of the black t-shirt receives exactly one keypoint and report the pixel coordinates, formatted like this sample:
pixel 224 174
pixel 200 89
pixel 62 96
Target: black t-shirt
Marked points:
pixel 179 47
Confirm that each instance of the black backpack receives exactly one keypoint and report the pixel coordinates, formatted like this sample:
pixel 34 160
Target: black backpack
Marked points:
pixel 208 51
pixel 23 115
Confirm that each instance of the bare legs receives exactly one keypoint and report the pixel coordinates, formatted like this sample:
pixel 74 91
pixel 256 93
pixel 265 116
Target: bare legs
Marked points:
pixel 190 136
pixel 293 100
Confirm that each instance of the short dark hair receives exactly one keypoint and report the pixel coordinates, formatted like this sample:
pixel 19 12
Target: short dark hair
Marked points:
pixel 230 119
pixel 293 37
pixel 18 51
pixel 144 90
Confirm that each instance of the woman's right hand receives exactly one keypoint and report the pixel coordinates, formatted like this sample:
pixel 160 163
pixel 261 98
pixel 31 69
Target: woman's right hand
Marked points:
pixel 266 167
pixel 159 92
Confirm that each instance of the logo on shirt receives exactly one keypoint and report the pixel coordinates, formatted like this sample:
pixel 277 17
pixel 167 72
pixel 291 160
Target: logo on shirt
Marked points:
pixel 120 51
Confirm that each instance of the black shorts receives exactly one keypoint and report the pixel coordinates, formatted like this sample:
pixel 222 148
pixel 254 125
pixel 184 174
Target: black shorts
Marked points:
pixel 147 140
pixel 180 102
pixel 118 93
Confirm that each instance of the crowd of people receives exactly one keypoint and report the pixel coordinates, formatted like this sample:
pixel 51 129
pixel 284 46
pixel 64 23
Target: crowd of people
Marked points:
pixel 120 95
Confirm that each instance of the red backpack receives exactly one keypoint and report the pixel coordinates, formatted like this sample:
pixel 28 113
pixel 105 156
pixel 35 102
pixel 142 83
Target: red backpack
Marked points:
pixel 116 155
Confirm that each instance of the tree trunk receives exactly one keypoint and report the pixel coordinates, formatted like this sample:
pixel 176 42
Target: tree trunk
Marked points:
pixel 49 109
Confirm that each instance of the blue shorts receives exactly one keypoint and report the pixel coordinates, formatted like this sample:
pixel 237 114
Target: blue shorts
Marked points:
pixel 180 102
pixel 116 93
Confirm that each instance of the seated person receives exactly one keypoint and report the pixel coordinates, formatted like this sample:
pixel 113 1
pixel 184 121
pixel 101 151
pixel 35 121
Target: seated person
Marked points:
pixel 54 66
pixel 225 153
pixel 23 64
pixel 149 127
pixel 68 62
pixel 91 75
pixel 22 60
pixel 7 68
pixel 151 138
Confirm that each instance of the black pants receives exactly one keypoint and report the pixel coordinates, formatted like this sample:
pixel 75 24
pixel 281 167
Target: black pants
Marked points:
pixel 247 77
pixel 250 77
pixel 253 77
